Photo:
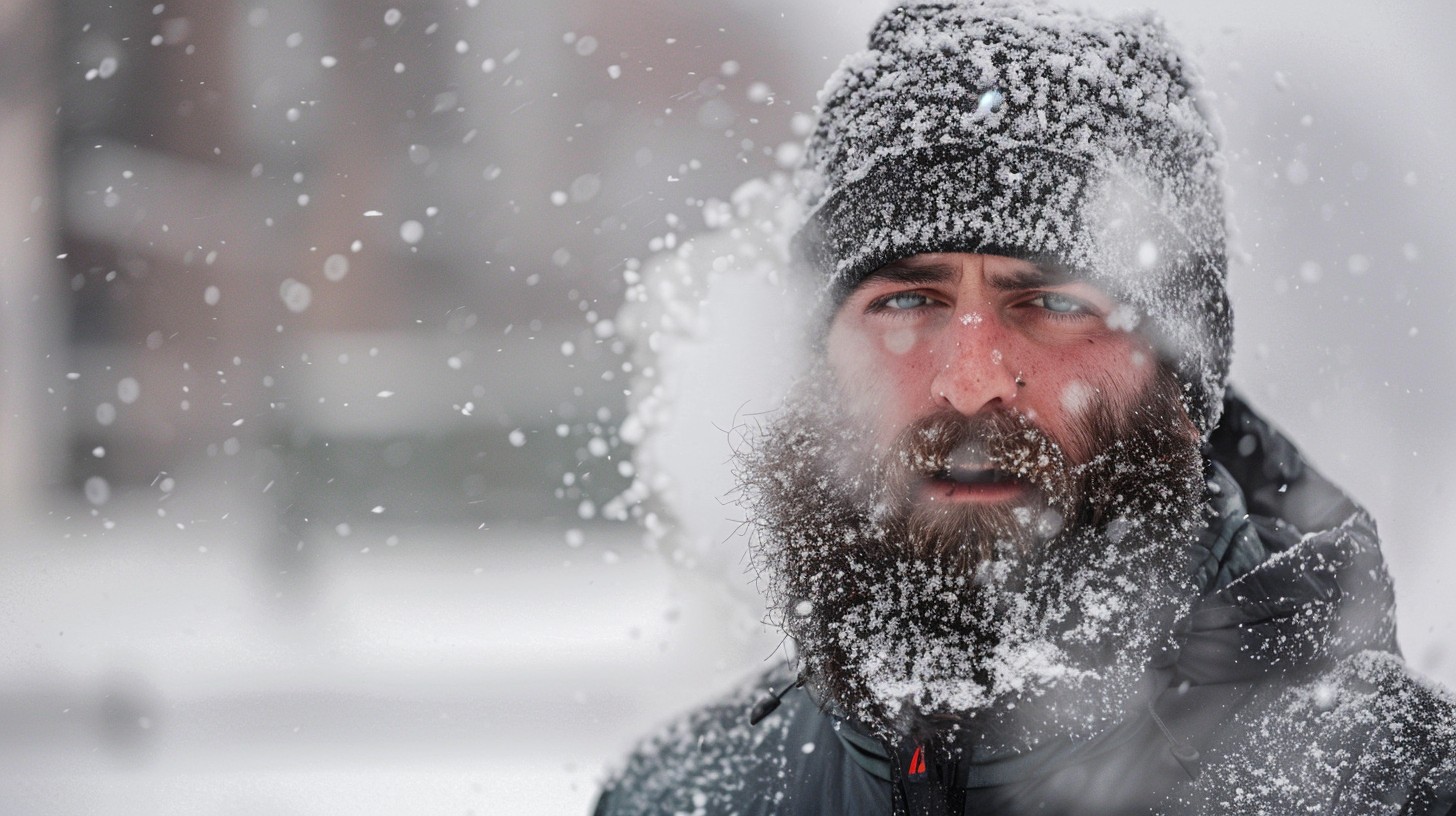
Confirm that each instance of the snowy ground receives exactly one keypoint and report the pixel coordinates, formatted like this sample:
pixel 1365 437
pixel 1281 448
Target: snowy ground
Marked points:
pixel 458 672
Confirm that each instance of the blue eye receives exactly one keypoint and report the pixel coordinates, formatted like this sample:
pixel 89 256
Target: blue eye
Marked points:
pixel 904 301
pixel 1059 304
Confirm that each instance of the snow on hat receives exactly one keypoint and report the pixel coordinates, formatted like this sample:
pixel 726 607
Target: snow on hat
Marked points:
pixel 1017 128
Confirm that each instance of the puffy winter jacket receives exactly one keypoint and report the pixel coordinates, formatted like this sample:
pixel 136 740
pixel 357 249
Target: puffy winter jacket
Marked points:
pixel 1285 694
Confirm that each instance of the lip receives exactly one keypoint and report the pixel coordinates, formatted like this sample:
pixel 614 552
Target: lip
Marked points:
pixel 972 486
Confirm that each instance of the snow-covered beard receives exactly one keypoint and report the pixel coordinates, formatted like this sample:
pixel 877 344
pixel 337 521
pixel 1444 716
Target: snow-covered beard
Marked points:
pixel 1026 620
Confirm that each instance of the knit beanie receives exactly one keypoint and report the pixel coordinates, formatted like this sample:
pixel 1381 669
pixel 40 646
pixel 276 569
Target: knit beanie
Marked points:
pixel 1017 128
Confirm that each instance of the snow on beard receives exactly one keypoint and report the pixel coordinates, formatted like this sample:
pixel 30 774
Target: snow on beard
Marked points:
pixel 1029 619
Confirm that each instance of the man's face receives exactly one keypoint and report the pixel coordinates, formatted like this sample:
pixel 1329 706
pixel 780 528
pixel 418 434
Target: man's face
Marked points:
pixel 986 490
pixel 979 383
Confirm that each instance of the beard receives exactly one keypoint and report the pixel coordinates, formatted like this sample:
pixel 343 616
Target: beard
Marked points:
pixel 1023 618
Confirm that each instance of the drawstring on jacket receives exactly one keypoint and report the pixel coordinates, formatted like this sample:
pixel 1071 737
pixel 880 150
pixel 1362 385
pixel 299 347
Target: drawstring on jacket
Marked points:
pixel 769 704
pixel 1187 756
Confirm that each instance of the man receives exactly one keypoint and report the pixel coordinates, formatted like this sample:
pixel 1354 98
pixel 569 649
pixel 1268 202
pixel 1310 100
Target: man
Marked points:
pixel 1033 556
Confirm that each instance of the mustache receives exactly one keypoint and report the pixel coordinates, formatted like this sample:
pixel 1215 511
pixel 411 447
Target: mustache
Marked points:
pixel 997 446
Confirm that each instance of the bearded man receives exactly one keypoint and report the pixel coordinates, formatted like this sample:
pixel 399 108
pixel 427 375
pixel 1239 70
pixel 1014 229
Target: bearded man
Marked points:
pixel 1033 555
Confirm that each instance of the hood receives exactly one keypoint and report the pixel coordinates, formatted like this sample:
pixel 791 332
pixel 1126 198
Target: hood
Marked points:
pixel 1291 568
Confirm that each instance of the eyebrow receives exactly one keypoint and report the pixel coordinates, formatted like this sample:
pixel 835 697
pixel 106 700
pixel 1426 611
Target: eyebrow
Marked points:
pixel 908 270
pixel 1033 277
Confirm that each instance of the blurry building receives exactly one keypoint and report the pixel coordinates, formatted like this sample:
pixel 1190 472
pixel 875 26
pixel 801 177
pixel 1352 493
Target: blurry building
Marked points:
pixel 354 250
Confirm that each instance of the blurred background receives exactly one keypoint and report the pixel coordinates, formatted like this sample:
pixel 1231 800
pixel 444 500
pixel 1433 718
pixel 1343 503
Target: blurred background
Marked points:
pixel 318 481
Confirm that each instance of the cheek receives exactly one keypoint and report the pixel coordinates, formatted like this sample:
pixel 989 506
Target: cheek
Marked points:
pixel 879 374
pixel 1133 366
pixel 1076 398
pixel 1074 383
pixel 899 342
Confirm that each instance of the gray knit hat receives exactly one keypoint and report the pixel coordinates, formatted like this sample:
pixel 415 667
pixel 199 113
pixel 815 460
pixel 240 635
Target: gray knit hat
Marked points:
pixel 1017 128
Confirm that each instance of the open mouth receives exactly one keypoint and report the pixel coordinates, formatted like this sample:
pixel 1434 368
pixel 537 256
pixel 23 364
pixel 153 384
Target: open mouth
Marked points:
pixel 974 476
pixel 972 484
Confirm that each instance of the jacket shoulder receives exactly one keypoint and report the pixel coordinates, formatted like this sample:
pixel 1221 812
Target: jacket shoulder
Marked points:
pixel 709 760
pixel 1366 736
pixel 714 761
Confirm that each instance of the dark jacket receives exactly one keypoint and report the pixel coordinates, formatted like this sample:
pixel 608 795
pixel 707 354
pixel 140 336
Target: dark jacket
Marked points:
pixel 1285 694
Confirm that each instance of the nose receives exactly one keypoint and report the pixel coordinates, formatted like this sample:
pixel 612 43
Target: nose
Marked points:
pixel 974 372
